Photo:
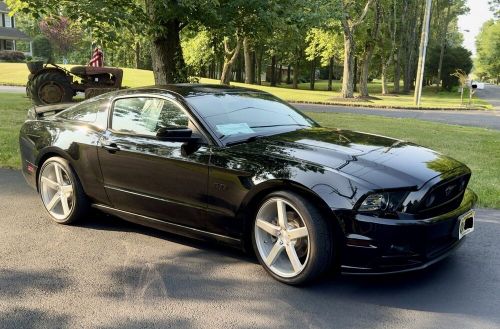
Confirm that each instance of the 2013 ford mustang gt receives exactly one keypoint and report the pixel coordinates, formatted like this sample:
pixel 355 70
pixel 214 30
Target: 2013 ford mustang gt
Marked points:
pixel 243 168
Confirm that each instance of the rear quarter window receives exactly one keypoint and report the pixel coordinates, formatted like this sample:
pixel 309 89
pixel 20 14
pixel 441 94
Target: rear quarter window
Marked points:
pixel 93 112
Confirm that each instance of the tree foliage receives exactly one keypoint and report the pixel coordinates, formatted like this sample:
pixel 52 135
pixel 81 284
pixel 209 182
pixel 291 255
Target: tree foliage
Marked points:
pixel 488 50
pixel 62 32
pixel 285 39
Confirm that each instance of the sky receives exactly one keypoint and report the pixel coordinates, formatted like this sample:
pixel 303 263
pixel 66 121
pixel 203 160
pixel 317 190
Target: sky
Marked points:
pixel 479 13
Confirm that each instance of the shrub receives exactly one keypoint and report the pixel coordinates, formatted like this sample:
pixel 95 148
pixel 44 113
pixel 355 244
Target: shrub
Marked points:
pixel 12 56
pixel 42 47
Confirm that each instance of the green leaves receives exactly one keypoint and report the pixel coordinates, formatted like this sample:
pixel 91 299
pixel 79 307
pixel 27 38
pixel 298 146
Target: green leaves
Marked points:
pixel 488 50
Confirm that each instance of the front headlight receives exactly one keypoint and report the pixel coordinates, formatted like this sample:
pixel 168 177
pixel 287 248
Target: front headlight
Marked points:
pixel 383 201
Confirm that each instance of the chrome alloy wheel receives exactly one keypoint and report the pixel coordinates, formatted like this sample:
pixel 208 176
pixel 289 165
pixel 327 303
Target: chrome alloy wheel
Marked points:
pixel 282 237
pixel 57 191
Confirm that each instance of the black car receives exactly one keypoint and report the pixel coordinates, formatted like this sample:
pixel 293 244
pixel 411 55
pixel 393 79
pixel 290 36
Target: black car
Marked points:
pixel 246 169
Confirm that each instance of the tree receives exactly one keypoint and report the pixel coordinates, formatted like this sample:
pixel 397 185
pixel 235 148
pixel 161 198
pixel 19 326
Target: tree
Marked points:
pixel 62 33
pixel 198 50
pixel 488 49
pixel 446 11
pixel 371 36
pixel 349 25
pixel 42 48
pixel 162 22
pixel 387 41
pixel 230 56
pixel 325 44
pixel 455 58
pixel 495 7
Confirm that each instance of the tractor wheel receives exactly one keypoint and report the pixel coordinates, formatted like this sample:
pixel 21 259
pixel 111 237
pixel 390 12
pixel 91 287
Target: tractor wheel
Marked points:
pixel 51 87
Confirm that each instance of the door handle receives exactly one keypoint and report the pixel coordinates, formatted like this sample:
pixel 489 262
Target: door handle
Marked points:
pixel 111 148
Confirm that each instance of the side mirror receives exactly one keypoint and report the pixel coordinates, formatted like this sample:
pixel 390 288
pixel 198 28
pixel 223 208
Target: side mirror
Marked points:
pixel 175 134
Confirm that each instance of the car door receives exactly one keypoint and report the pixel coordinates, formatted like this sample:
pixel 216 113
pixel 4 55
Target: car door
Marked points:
pixel 147 176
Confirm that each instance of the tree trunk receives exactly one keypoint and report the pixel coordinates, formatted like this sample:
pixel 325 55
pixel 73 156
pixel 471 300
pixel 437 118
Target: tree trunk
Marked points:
pixel 253 70
pixel 259 66
pixel 137 54
pixel 363 81
pixel 230 57
pixel 280 74
pixel 288 74
pixel 296 74
pixel 409 74
pixel 385 88
pixel 349 27
pixel 239 69
pixel 273 71
pixel 313 74
pixel 166 52
pixel 248 61
pixel 355 82
pixel 443 44
pixel 368 53
pixel 330 74
pixel 348 75
pixel 397 72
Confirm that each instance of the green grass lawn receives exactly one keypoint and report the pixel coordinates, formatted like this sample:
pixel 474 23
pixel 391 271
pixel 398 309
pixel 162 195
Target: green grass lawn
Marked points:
pixel 12 114
pixel 17 74
pixel 477 147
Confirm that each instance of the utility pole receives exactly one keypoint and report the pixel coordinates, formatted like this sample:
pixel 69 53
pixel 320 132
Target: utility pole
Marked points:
pixel 423 50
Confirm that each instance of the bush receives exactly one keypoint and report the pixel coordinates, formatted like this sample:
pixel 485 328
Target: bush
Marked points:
pixel 42 47
pixel 12 56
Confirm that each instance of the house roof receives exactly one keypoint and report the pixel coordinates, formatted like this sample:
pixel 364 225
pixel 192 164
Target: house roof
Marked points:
pixel 3 7
pixel 11 33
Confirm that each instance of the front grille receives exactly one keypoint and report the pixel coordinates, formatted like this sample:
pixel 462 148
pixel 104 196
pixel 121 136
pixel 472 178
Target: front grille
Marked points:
pixel 443 197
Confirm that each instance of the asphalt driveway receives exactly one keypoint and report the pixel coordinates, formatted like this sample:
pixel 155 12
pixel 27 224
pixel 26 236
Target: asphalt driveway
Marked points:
pixel 106 273
pixel 491 94
pixel 484 119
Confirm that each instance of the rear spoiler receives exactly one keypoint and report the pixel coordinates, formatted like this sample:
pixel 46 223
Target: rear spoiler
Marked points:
pixel 37 112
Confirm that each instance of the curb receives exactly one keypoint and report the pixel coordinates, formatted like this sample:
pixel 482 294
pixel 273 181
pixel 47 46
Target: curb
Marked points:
pixel 389 107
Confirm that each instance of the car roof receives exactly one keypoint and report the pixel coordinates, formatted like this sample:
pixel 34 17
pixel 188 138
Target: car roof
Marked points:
pixel 187 90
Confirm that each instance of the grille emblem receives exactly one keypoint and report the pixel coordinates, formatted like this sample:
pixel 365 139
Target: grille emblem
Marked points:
pixel 449 189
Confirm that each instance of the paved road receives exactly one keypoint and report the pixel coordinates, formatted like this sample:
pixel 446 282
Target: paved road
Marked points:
pixel 485 119
pixel 491 94
pixel 12 89
pixel 107 273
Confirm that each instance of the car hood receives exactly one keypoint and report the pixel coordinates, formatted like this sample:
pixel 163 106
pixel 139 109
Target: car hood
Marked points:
pixel 382 161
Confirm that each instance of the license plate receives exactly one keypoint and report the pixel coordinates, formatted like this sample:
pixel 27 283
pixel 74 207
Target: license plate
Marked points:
pixel 466 224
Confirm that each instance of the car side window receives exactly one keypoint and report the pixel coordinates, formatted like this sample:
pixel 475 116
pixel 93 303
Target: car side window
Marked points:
pixel 145 115
pixel 85 112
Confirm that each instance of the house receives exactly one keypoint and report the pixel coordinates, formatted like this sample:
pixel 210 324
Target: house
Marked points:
pixel 9 34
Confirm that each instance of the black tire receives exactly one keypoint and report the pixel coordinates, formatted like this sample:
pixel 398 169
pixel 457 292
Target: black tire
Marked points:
pixel 50 87
pixel 320 235
pixel 81 204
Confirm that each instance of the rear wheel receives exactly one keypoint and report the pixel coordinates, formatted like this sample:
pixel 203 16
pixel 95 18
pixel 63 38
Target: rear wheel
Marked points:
pixel 61 192
pixel 51 87
pixel 291 239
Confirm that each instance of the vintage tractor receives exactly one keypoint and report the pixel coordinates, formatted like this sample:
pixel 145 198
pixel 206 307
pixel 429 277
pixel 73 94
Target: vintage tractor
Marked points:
pixel 53 84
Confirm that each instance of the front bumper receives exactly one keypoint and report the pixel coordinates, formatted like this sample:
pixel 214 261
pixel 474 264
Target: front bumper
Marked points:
pixel 381 246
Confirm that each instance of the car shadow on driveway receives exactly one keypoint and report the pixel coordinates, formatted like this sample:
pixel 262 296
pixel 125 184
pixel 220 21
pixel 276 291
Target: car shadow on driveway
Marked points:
pixel 205 271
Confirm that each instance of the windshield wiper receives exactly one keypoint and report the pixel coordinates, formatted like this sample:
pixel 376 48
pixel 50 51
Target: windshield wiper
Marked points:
pixel 245 140
pixel 270 126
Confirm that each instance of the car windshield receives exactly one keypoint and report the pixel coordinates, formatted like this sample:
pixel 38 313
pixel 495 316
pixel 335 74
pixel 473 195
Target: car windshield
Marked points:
pixel 241 115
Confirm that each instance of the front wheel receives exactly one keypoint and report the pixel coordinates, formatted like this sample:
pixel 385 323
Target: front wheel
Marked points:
pixel 291 238
pixel 61 192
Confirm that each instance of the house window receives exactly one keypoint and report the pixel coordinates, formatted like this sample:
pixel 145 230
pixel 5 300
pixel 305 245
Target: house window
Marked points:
pixel 7 20
pixel 9 44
